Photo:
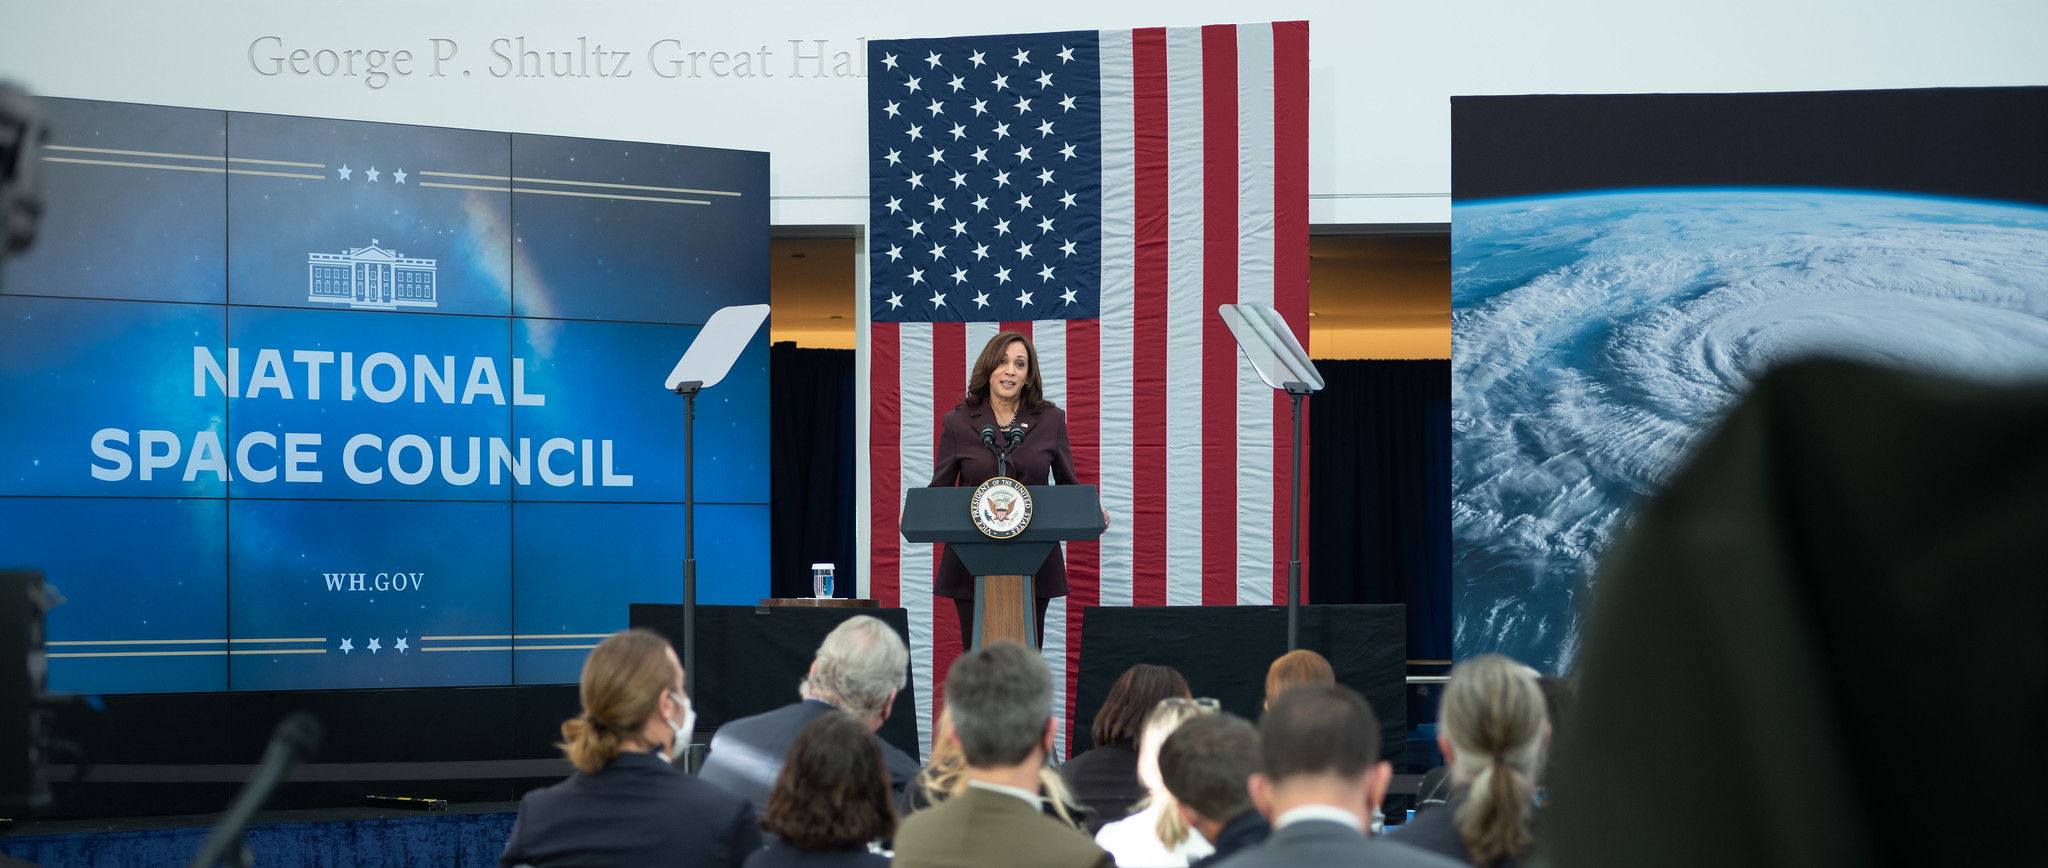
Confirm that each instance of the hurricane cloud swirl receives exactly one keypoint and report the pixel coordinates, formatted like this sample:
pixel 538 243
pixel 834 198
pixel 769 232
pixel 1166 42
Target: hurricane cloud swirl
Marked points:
pixel 1596 337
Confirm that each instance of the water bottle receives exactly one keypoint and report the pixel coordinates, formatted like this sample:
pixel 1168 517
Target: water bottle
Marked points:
pixel 821 580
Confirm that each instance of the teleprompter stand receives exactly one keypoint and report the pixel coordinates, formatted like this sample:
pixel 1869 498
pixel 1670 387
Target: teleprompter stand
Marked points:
pixel 1281 362
pixel 719 343
pixel 1003 596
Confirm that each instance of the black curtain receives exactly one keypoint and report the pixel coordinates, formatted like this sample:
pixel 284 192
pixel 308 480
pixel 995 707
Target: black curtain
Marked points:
pixel 1379 472
pixel 811 481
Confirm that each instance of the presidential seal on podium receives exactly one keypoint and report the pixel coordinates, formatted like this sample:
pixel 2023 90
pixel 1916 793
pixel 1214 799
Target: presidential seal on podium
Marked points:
pixel 1001 507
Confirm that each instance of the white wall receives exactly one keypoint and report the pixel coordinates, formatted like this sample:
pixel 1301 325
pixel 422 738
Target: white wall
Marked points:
pixel 1382 71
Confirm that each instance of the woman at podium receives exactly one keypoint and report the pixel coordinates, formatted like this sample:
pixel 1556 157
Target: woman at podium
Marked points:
pixel 1004 391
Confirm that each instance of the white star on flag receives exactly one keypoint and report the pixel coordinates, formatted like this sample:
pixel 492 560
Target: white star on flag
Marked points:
pixel 1068 297
pixel 938 298
pixel 895 301
pixel 981 300
pixel 1024 298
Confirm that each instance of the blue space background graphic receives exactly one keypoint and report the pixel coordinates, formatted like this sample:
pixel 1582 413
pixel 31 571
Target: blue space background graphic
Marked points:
pixel 571 271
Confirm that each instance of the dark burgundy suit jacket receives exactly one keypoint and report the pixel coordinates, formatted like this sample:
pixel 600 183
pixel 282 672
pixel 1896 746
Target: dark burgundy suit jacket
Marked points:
pixel 962 460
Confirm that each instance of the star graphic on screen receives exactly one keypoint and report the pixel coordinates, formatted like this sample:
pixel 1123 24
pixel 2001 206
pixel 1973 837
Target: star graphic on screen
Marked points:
pixel 372 174
pixel 348 645
pixel 398 176
pixel 895 301
pixel 938 298
pixel 344 171
pixel 374 648
pixel 1069 298
pixel 981 300
pixel 1024 298
pixel 400 644
pixel 1066 54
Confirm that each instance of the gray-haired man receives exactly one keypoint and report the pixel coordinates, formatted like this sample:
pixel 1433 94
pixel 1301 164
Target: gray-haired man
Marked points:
pixel 858 669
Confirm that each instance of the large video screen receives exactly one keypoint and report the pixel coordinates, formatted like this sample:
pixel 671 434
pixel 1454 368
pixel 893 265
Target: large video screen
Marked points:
pixel 297 403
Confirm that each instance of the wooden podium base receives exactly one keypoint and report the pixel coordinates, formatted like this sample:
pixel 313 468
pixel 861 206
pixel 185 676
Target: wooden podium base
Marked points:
pixel 1003 610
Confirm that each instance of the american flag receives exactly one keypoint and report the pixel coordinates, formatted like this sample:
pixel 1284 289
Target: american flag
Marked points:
pixel 1101 192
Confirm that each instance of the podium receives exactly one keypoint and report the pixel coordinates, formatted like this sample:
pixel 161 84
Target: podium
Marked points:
pixel 1002 568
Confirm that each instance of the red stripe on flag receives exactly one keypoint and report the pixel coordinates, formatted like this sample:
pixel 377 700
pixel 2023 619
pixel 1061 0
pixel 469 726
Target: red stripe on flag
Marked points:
pixel 1084 434
pixel 1290 269
pixel 949 382
pixel 1219 286
pixel 1022 327
pixel 885 463
pixel 1148 343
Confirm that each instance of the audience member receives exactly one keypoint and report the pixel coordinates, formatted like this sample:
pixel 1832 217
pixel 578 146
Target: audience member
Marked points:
pixel 626 804
pixel 1205 764
pixel 1491 729
pixel 858 669
pixel 831 799
pixel 1295 668
pixel 946 776
pixel 1104 779
pixel 1000 699
pixel 1322 780
pixel 1156 835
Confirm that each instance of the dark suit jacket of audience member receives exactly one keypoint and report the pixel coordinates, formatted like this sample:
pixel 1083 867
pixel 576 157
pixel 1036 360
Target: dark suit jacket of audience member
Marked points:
pixel 997 830
pixel 747 754
pixel 639 810
pixel 1321 842
pixel 1434 830
pixel 1249 829
pixel 780 855
pixel 1104 780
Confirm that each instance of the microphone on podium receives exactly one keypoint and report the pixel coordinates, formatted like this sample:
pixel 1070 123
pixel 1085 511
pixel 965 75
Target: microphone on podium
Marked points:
pixel 988 436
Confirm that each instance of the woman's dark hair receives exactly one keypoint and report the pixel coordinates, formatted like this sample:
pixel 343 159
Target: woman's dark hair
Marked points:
pixel 1136 692
pixel 833 792
pixel 1033 393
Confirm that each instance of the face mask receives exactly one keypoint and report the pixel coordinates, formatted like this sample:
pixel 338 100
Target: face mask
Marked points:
pixel 682 730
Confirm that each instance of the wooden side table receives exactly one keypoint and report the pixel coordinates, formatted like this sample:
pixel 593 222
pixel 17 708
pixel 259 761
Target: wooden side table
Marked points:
pixel 814 602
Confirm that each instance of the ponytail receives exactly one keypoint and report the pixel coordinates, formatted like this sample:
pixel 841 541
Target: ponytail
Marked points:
pixel 589 744
pixel 1493 713
pixel 623 681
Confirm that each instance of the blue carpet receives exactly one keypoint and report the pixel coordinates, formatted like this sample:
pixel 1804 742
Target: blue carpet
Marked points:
pixel 450 840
